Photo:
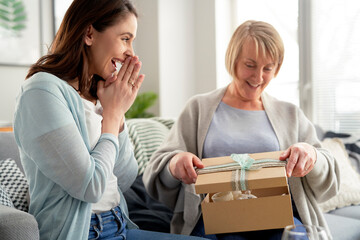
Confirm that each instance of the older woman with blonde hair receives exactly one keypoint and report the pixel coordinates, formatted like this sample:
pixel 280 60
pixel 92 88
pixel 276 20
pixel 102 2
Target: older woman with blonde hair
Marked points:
pixel 242 118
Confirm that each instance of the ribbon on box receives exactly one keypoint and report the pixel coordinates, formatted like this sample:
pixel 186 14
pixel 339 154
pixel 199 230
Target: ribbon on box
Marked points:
pixel 241 164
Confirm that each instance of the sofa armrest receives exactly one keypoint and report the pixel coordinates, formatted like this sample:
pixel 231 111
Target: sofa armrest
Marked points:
pixel 17 225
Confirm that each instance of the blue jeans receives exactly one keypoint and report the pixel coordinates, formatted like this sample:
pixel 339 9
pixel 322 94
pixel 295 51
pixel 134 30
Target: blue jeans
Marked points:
pixel 111 225
pixel 273 234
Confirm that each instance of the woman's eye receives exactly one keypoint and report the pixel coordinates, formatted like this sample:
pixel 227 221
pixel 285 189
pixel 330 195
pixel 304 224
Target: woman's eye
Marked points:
pixel 250 65
pixel 126 39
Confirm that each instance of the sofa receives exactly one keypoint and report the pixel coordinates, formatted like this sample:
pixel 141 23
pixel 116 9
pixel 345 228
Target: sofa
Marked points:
pixel 342 212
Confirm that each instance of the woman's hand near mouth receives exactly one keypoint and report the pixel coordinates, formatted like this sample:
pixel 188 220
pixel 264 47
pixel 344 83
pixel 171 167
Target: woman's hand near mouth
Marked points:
pixel 116 96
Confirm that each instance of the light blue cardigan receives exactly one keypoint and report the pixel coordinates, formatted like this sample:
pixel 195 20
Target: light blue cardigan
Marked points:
pixel 64 175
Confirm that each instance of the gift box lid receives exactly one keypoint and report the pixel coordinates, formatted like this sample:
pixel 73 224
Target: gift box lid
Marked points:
pixel 266 177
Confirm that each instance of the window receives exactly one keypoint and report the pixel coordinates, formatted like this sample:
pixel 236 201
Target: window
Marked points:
pixel 335 57
pixel 285 85
pixel 329 33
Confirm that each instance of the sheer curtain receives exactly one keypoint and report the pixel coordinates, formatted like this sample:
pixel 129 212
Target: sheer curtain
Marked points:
pixel 335 57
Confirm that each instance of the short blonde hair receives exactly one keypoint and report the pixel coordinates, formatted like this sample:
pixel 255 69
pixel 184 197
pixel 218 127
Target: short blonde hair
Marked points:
pixel 267 41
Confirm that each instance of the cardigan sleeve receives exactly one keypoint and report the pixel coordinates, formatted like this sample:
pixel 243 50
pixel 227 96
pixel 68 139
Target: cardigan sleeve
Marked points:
pixel 292 126
pixel 157 178
pixel 324 178
pixel 126 167
pixel 48 132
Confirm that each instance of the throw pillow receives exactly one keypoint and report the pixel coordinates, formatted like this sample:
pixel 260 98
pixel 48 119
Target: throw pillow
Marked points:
pixel 349 193
pixel 168 122
pixel 15 183
pixel 4 198
pixel 146 136
pixel 352 145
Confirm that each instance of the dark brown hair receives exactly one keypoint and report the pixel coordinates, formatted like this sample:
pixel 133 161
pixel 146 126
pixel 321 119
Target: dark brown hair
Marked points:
pixel 68 53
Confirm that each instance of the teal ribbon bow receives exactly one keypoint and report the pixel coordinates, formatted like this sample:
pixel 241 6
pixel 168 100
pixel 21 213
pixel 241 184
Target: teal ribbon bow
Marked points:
pixel 241 164
pixel 244 160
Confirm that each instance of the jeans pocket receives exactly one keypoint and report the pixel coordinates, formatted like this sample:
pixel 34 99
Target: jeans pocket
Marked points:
pixel 94 232
pixel 119 219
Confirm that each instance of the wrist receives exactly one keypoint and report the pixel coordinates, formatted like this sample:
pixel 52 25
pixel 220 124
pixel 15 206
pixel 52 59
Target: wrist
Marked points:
pixel 111 123
pixel 122 124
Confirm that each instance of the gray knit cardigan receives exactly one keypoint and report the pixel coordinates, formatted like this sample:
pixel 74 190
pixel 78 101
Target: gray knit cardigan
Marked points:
pixel 188 135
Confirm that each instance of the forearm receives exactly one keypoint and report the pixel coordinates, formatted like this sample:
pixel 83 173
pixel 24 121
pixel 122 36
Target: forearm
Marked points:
pixel 62 156
pixel 324 177
pixel 158 181
pixel 126 167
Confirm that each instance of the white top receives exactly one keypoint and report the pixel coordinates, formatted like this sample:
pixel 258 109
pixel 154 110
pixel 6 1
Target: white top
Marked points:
pixel 111 196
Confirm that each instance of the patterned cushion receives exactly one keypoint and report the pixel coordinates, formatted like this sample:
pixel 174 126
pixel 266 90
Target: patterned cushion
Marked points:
pixel 146 136
pixel 15 183
pixel 349 193
pixel 168 122
pixel 4 198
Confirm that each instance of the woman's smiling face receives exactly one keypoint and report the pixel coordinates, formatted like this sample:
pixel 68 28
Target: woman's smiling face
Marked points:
pixel 253 72
pixel 113 45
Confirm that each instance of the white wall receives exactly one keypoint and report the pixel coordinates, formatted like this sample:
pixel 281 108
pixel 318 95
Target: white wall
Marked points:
pixel 10 81
pixel 205 45
pixel 146 46
pixel 11 77
pixel 177 54
pixel 225 26
pixel 175 41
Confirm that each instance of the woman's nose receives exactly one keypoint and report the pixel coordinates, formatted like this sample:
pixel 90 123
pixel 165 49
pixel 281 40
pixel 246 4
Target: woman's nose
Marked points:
pixel 130 52
pixel 259 76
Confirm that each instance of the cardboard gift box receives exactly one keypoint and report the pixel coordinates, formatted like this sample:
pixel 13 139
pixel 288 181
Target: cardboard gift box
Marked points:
pixel 270 210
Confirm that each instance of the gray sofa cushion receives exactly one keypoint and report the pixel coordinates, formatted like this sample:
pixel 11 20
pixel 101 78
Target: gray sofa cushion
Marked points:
pixel 9 149
pixel 343 228
pixel 350 212
pixel 17 225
